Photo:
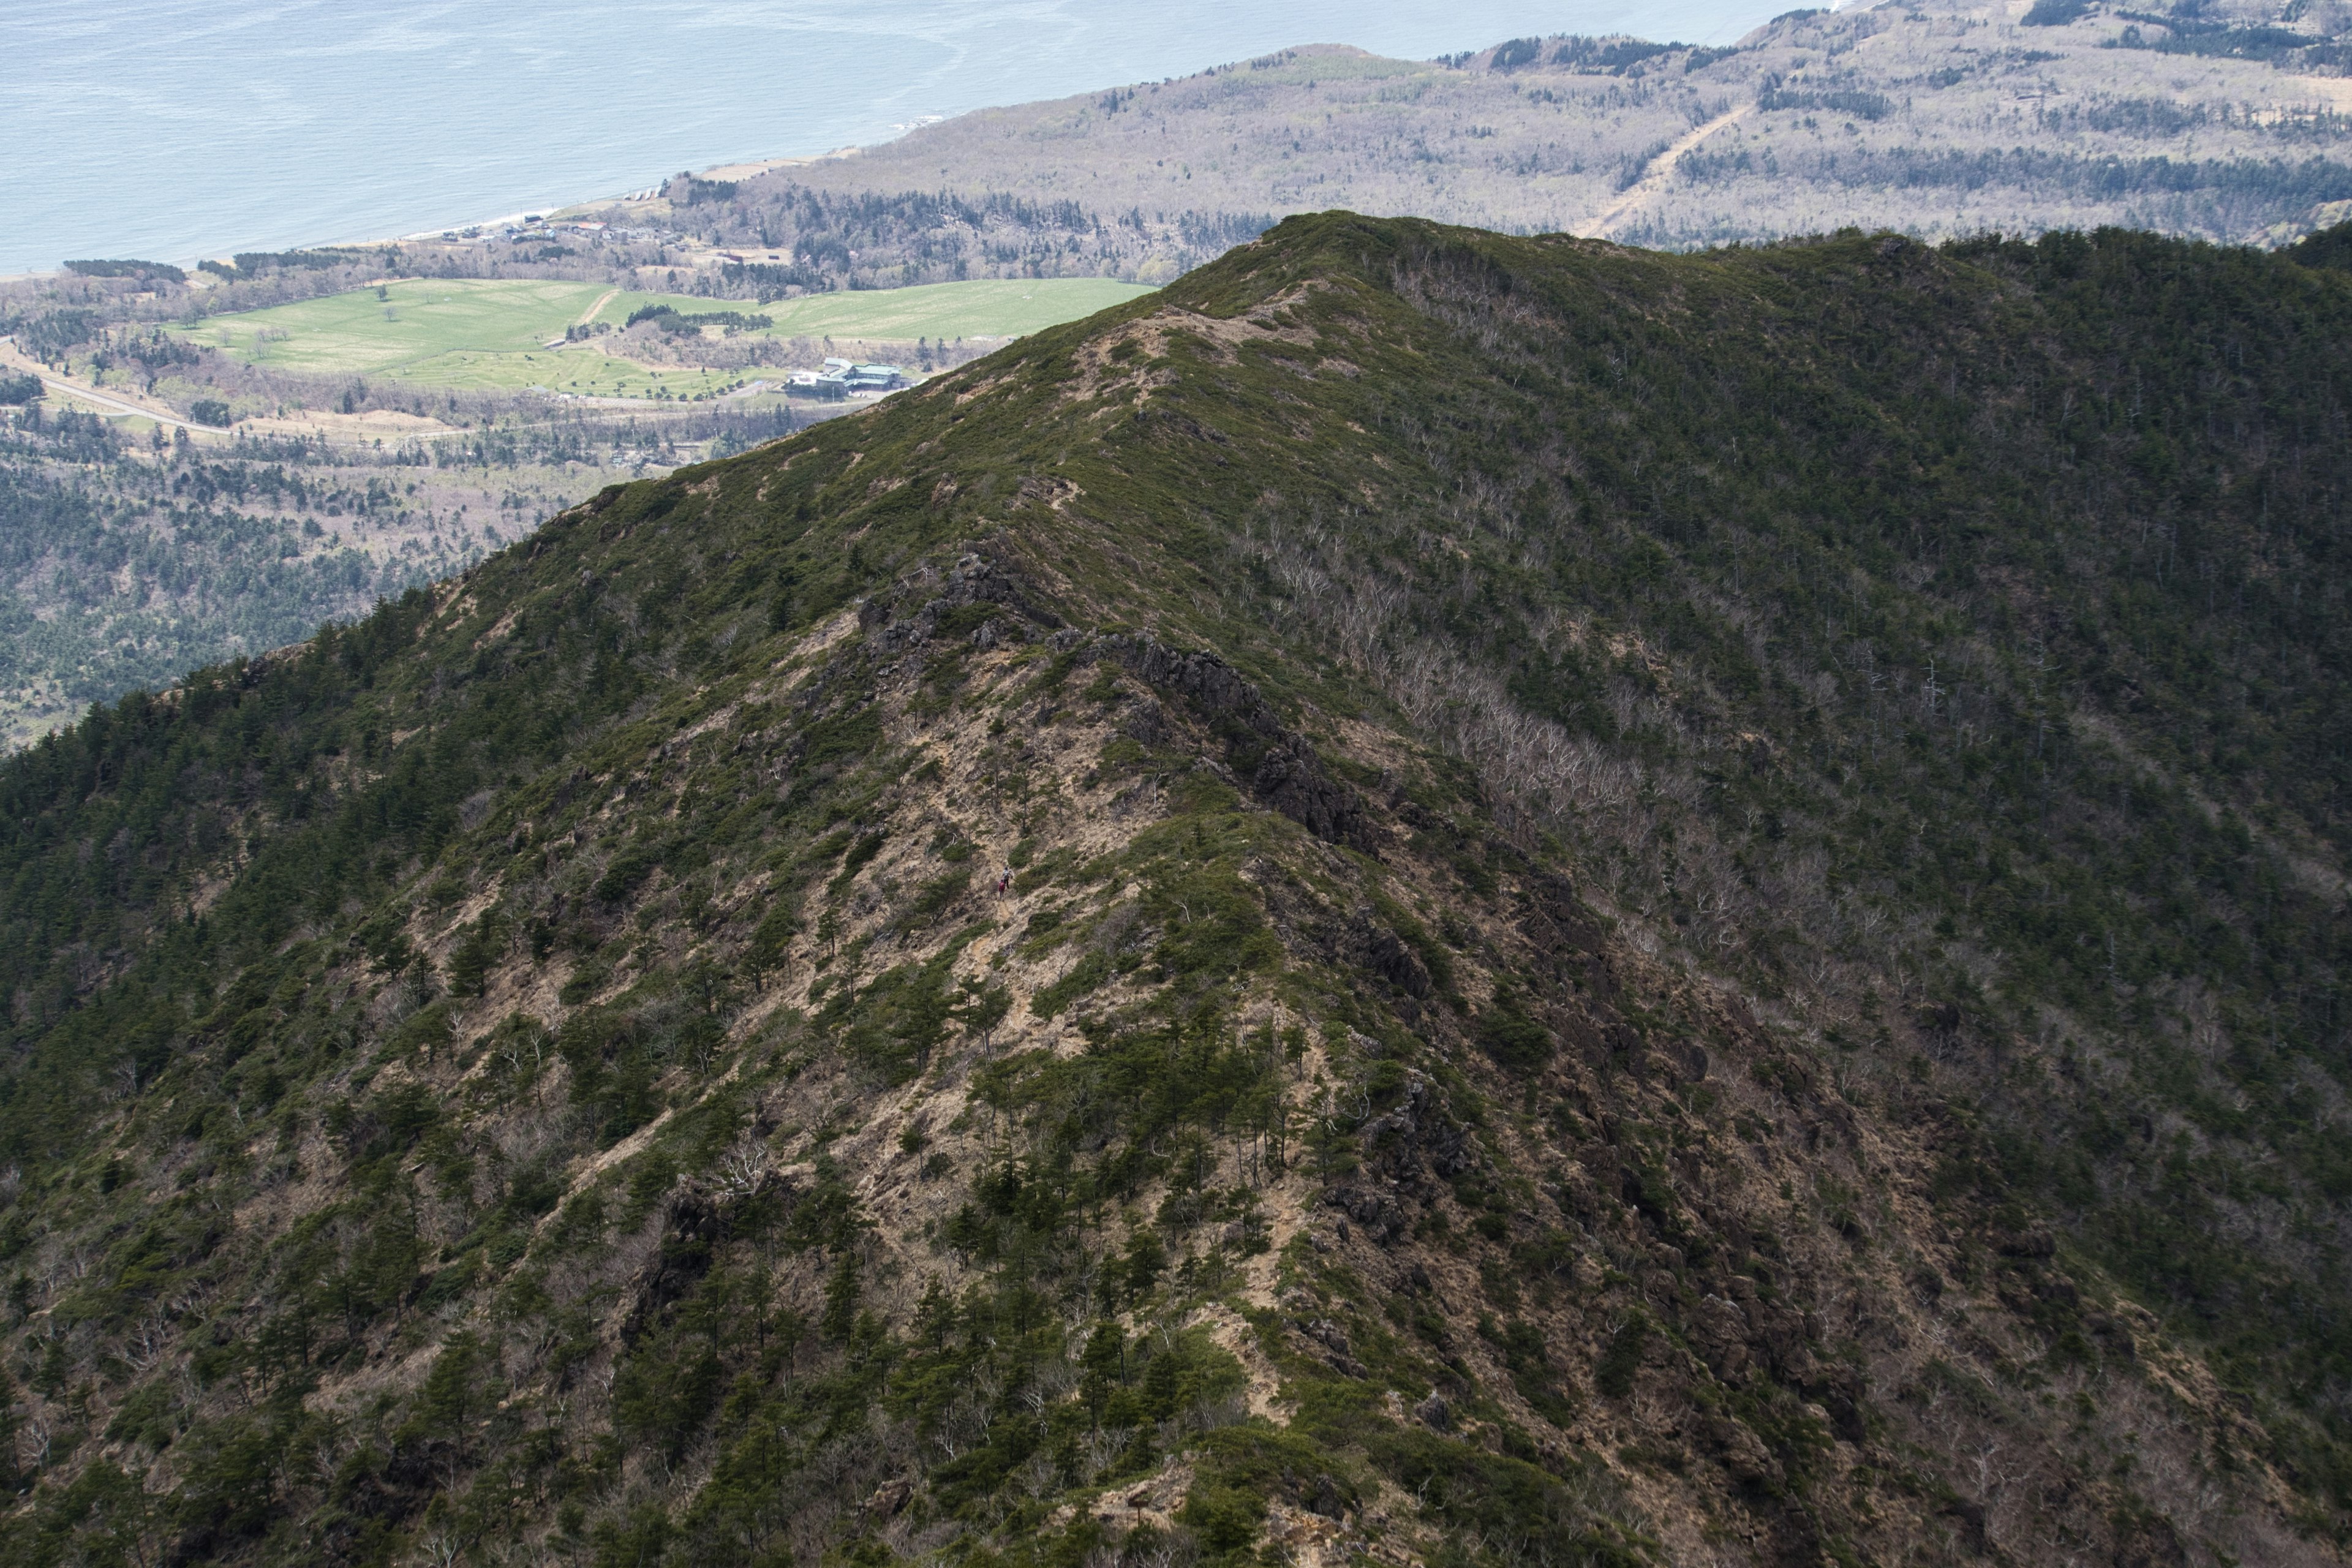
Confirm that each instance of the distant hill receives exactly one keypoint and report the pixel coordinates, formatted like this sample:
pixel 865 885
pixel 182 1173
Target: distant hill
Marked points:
pixel 1435 899
pixel 1935 117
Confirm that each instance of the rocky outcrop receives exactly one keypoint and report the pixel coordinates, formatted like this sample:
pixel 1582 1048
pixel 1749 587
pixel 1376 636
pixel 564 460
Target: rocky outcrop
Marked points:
pixel 1280 765
pixel 1417 1137
pixel 974 579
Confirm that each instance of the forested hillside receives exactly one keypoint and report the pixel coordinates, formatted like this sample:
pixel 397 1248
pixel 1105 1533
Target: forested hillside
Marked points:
pixel 117 574
pixel 1435 896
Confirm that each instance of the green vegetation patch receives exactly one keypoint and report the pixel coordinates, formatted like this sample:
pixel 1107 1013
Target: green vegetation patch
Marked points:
pixel 393 330
pixel 496 333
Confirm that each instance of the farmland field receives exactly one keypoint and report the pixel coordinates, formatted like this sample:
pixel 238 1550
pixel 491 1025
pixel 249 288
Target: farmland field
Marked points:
pixel 414 322
pixel 488 334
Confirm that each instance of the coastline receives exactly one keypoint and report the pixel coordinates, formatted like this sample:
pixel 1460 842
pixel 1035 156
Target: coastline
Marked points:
pixel 737 169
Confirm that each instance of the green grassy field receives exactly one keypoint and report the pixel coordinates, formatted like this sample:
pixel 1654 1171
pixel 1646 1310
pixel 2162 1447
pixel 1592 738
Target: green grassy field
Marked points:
pixel 413 324
pixel 487 334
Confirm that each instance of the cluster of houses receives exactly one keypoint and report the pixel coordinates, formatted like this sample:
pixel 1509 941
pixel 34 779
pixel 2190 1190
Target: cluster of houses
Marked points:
pixel 534 228
pixel 840 377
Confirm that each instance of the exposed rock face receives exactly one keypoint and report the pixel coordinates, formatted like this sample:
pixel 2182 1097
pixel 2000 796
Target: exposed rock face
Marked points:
pixel 974 579
pixel 1285 771
pixel 1417 1138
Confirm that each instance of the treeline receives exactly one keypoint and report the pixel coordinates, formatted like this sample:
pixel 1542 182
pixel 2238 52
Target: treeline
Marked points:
pixel 48 335
pixel 2222 198
pixel 547 443
pixel 126 562
pixel 2192 35
pixel 151 349
pixel 143 270
pixel 825 240
pixel 284 278
pixel 2157 117
pixel 1850 101
pixel 249 263
pixel 1611 55
pixel 668 319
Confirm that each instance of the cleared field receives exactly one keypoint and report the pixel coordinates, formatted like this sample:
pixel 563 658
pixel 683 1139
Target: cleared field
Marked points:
pixel 410 326
pixel 487 333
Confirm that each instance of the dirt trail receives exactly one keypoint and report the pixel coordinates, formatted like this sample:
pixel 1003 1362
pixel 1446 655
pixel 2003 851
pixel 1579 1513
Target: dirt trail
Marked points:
pixel 1661 170
pixel 586 316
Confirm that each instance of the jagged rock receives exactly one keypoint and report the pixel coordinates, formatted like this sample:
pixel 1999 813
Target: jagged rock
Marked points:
pixel 1327 1334
pixel 1386 954
pixel 1287 774
pixel 1412 814
pixel 1382 1221
pixel 974 579
pixel 1289 779
pixel 2034 1242
pixel 1417 1134
pixel 1742 1453
pixel 1555 919
pixel 1435 1413
pixel 1147 723
pixel 699 1221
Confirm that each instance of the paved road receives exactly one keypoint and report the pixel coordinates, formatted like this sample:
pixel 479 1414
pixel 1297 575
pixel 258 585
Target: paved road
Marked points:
pixel 74 389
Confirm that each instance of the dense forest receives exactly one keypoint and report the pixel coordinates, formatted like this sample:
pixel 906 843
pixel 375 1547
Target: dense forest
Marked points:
pixel 123 562
pixel 1436 896
pixel 118 573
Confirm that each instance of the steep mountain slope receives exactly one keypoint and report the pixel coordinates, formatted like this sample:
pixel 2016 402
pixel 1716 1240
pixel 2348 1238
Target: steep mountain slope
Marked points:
pixel 1437 897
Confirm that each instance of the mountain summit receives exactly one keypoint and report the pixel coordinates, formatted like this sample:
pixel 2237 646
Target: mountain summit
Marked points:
pixel 1434 898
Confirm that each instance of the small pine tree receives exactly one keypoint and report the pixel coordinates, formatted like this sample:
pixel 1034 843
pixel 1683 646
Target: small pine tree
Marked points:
pixel 841 1295
pixel 8 1402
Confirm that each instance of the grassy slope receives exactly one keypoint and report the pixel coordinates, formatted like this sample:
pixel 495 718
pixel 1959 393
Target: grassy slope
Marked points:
pixel 1939 651
pixel 359 334
pixel 487 333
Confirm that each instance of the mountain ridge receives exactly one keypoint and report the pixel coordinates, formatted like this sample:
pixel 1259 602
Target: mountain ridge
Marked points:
pixel 1491 1028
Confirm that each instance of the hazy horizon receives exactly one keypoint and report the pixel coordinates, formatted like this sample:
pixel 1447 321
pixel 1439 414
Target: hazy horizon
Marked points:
pixel 172 129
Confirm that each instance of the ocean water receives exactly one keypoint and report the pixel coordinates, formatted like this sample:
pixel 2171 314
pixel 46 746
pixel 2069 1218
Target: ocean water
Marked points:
pixel 173 130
